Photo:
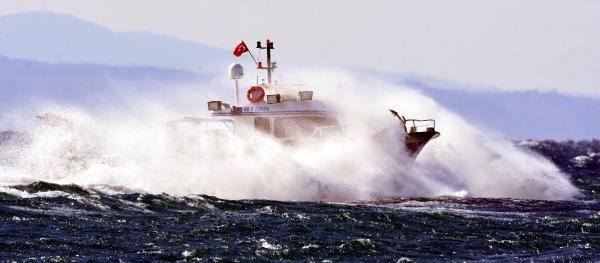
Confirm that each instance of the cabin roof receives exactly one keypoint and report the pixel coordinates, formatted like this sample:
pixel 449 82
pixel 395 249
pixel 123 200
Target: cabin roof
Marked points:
pixel 280 108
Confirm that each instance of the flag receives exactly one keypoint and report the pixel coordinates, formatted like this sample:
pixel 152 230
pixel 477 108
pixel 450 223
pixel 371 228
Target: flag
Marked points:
pixel 240 49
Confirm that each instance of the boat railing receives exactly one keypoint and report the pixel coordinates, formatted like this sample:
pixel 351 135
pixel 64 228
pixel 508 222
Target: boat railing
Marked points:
pixel 415 125
pixel 199 137
pixel 329 131
pixel 200 122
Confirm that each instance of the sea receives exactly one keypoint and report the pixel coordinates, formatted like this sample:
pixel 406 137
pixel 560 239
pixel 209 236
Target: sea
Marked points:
pixel 48 222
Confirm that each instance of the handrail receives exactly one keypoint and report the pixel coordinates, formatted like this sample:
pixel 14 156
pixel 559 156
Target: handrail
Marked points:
pixel 318 131
pixel 413 128
pixel 198 121
pixel 417 120
pixel 415 125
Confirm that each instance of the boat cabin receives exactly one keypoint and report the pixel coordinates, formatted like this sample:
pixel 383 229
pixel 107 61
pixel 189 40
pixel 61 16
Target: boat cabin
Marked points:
pixel 288 115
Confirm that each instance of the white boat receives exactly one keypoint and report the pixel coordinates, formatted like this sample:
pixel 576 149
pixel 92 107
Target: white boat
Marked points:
pixel 286 113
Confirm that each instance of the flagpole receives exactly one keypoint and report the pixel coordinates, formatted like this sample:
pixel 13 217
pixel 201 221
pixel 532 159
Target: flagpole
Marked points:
pixel 252 57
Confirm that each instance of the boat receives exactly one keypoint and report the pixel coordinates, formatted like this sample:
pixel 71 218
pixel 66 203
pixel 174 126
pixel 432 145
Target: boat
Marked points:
pixel 288 114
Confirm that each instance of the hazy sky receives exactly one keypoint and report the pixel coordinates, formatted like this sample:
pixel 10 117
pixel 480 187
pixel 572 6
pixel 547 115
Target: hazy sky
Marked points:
pixel 510 45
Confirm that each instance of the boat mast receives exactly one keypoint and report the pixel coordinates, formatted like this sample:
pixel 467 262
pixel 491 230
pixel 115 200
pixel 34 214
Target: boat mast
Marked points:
pixel 270 66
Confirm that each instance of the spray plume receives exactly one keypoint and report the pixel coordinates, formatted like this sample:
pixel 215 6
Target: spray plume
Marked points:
pixel 129 147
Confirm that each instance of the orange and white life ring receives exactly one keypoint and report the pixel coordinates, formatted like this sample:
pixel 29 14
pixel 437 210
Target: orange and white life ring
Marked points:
pixel 256 94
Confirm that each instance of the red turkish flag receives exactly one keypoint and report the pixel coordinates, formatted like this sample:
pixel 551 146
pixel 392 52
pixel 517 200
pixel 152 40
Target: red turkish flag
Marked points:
pixel 240 49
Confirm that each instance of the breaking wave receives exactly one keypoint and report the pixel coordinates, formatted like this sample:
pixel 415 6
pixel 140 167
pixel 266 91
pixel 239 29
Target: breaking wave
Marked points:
pixel 130 146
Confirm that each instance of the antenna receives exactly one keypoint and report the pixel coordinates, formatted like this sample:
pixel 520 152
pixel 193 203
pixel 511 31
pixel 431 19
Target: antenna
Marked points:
pixel 270 65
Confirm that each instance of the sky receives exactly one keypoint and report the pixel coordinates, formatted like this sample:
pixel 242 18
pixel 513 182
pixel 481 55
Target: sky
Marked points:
pixel 507 45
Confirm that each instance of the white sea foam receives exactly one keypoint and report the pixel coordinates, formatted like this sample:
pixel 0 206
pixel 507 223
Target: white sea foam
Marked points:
pixel 24 194
pixel 129 146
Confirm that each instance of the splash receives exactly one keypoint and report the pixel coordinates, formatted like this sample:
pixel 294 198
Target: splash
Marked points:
pixel 132 148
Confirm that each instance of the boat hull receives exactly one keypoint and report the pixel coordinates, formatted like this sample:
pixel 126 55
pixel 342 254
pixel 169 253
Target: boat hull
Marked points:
pixel 417 140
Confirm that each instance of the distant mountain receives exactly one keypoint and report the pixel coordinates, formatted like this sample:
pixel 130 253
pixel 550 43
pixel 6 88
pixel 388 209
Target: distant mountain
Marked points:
pixel 518 115
pixel 84 63
pixel 52 37
pixel 22 81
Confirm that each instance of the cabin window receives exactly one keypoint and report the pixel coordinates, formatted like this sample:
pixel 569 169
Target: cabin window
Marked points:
pixel 301 126
pixel 262 124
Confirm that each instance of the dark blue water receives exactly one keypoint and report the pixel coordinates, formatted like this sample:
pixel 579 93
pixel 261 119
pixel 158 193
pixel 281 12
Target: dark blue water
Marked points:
pixel 48 222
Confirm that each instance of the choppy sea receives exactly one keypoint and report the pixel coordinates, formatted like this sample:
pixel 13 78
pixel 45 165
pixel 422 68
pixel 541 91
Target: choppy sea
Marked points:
pixel 54 223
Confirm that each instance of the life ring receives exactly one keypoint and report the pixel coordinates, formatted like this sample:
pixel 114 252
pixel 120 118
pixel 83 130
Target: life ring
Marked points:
pixel 255 94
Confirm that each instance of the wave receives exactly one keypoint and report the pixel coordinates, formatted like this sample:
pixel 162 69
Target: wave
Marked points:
pixel 128 146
